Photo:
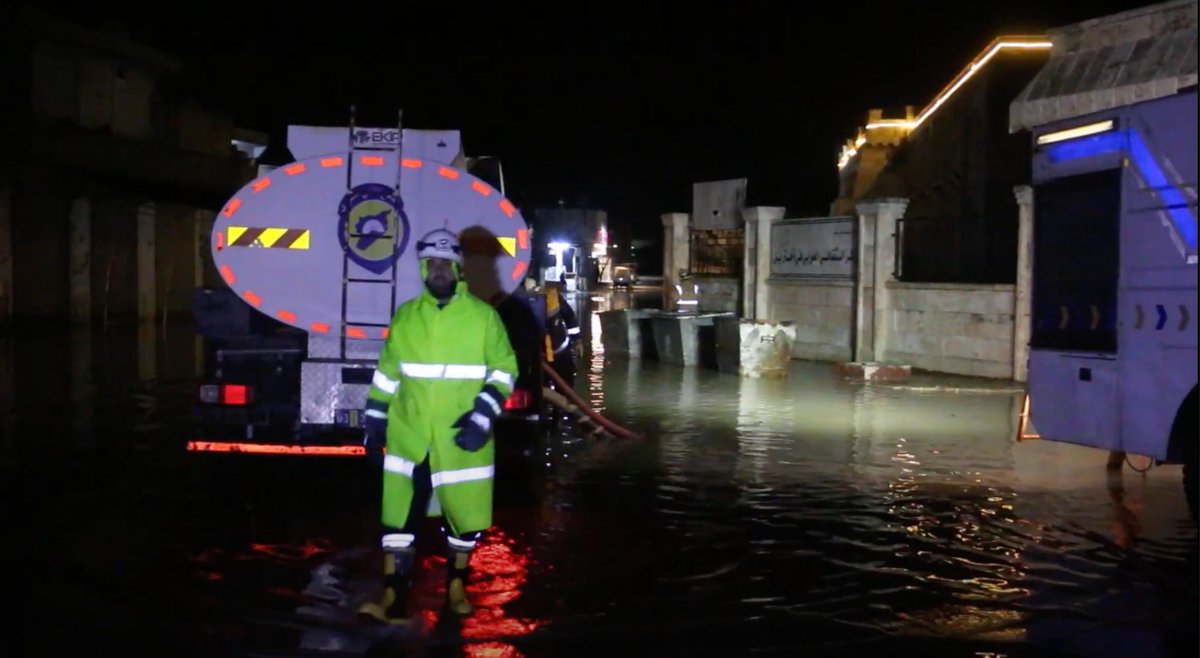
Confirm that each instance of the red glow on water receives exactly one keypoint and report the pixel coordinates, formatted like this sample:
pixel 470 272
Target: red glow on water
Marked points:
pixel 309 549
pixel 491 650
pixel 499 571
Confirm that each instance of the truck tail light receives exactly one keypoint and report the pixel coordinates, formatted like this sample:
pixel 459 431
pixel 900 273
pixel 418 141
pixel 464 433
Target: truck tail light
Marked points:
pixel 228 394
pixel 520 399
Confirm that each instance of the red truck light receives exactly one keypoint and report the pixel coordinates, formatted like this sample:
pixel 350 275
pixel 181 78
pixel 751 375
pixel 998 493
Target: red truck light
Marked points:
pixel 520 399
pixel 230 394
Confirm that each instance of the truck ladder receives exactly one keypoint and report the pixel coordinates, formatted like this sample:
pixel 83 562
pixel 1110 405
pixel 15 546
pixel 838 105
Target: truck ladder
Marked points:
pixel 390 278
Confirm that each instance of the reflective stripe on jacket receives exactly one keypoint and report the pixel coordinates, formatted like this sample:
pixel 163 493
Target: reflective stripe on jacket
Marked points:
pixel 434 363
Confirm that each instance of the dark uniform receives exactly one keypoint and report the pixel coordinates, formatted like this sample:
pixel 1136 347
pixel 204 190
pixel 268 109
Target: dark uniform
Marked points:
pixel 562 330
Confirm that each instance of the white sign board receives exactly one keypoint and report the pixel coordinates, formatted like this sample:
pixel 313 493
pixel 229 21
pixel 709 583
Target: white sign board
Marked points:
pixel 442 146
pixel 718 204
pixel 819 248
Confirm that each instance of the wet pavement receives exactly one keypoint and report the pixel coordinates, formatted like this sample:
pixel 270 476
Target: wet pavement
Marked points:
pixel 807 516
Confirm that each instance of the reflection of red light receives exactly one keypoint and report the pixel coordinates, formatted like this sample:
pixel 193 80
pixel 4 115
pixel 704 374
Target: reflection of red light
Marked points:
pixel 491 650
pixel 498 575
pixel 285 552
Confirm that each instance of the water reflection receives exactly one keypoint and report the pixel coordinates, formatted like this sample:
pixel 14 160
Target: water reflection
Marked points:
pixel 903 509
pixel 800 516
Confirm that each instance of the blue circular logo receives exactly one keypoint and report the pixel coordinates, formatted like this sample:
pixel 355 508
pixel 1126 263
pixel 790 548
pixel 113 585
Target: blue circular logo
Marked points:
pixel 372 226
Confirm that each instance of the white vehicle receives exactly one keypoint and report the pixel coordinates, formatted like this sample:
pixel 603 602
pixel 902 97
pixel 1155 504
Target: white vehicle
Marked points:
pixel 317 255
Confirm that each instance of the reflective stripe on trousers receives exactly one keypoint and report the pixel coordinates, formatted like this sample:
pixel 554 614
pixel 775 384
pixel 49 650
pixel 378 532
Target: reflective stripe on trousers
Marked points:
pixel 395 464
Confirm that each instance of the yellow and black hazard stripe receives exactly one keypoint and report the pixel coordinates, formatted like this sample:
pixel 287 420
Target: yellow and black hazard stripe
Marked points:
pixel 269 238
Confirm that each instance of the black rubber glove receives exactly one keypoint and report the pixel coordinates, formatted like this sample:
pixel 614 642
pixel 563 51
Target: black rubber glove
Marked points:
pixel 473 431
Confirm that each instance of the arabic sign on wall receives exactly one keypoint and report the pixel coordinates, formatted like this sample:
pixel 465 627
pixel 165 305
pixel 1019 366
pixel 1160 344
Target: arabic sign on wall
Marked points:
pixel 820 248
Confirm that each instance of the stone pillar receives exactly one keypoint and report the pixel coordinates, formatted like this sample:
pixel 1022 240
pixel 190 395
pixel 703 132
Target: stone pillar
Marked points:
pixel 81 387
pixel 877 257
pixel 1022 311
pixel 146 299
pixel 676 254
pixel 6 257
pixel 750 267
pixel 8 394
pixel 147 352
pixel 79 260
pixel 890 210
pixel 762 218
pixel 864 292
pixel 202 239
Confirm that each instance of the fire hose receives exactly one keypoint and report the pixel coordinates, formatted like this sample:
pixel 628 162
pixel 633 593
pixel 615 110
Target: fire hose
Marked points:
pixel 571 395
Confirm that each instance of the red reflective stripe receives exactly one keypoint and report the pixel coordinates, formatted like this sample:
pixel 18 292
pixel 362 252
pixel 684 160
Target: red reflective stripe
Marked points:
pixel 412 163
pixel 297 168
pixel 321 327
pixel 287 316
pixel 227 274
pixel 481 188
pixel 448 173
pixel 507 207
pixel 331 162
pixel 232 207
pixel 220 240
pixel 273 449
pixel 261 184
pixel 384 332
pixel 518 270
pixel 523 238
pixel 355 332
pixel 372 160
pixel 252 298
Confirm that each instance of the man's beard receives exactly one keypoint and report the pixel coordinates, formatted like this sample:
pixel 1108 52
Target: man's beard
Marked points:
pixel 440 289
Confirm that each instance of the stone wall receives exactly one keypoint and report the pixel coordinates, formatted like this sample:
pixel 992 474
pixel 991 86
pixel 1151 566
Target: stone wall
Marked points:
pixel 714 294
pixel 823 313
pixel 956 328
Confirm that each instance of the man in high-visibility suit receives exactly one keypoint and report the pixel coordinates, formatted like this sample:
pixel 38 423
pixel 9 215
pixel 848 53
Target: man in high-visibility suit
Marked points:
pixel 446 369
pixel 562 331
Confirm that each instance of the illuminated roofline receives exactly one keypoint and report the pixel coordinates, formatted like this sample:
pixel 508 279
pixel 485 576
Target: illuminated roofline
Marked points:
pixel 1012 42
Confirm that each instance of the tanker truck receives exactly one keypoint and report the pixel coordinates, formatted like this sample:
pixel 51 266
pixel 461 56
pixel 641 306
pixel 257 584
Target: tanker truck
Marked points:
pixel 317 254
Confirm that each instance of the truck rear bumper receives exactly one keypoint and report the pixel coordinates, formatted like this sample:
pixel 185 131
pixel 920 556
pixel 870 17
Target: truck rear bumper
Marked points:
pixel 263 431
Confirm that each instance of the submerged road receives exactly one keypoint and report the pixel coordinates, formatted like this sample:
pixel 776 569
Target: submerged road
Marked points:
pixel 807 516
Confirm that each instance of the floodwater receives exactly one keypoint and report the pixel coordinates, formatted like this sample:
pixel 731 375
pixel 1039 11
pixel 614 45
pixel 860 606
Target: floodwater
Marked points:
pixel 806 516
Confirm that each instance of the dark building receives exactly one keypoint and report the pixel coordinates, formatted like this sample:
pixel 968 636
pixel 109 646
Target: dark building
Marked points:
pixel 108 181
pixel 956 163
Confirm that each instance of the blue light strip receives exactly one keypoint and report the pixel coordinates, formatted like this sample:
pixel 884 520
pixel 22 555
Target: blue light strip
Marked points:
pixel 1170 195
pixel 1086 147
pixel 1112 142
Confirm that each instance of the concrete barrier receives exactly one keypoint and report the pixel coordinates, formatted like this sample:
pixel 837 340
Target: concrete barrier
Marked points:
pixel 687 339
pixel 628 333
pixel 754 348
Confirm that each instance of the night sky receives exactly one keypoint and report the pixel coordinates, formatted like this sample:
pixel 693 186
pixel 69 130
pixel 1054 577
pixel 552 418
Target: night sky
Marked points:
pixel 623 112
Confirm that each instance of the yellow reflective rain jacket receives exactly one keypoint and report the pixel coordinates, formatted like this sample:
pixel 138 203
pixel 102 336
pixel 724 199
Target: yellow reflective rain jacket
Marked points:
pixel 434 364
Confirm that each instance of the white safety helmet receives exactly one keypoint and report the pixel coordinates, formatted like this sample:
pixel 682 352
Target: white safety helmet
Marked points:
pixel 439 243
